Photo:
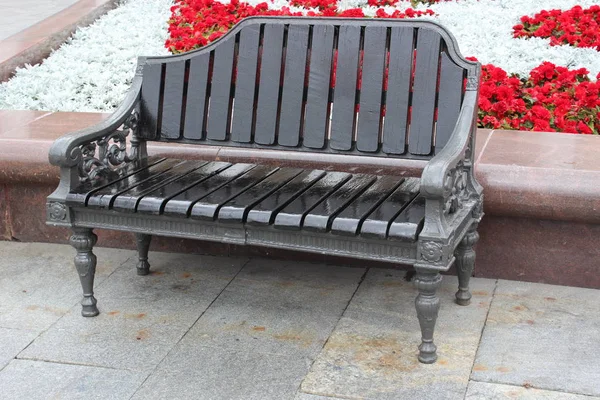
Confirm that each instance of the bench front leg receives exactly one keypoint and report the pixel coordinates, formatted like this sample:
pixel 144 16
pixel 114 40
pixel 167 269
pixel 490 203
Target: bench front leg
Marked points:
pixel 428 305
pixel 143 246
pixel 83 240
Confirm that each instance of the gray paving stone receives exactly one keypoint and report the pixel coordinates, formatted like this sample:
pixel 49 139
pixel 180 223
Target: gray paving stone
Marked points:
pixel 372 351
pixel 39 284
pixel 542 336
pixel 24 379
pixel 12 341
pixel 306 396
pixel 141 318
pixel 208 373
pixel 278 307
pixel 494 391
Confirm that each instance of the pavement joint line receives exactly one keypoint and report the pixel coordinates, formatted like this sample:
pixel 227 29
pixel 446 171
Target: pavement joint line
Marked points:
pixel 591 396
pixel 361 280
pixel 190 328
pixel 332 397
pixel 77 364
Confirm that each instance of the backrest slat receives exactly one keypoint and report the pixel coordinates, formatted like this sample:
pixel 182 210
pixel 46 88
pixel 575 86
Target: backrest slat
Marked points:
pixel 398 90
pixel 344 95
pixel 151 94
pixel 449 100
pixel 268 88
pixel 290 119
pixel 196 102
pixel 420 138
pixel 245 85
pixel 316 116
pixel 369 113
pixel 220 92
pixel 173 100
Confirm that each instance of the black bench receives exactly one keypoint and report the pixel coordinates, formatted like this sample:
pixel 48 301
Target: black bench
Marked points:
pixel 384 90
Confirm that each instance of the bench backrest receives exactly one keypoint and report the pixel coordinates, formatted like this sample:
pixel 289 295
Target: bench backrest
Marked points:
pixel 341 85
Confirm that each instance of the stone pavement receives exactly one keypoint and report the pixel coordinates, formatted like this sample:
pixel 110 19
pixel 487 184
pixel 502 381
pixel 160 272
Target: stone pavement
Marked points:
pixel 18 15
pixel 203 327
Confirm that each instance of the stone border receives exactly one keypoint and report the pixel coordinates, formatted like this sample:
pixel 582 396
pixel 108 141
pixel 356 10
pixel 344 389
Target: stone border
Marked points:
pixel 34 44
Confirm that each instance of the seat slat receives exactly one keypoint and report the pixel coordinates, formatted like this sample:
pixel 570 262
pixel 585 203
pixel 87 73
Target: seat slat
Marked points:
pixel 196 97
pixel 103 197
pixel 398 90
pixel 245 84
pixel 408 224
pixel 154 202
pixel 236 209
pixel 320 217
pixel 449 101
pixel 220 92
pixel 181 204
pixel 127 201
pixel 173 100
pixel 377 223
pixel 348 222
pixel 293 86
pixel 208 207
pixel 369 114
pixel 344 95
pixel 80 195
pixel 423 101
pixel 150 100
pixel 292 216
pixel 268 92
pixel 315 120
pixel 264 212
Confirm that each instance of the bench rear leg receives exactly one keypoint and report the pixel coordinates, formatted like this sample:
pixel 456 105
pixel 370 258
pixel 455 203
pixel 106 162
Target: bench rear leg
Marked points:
pixel 83 240
pixel 428 305
pixel 143 246
pixel 465 263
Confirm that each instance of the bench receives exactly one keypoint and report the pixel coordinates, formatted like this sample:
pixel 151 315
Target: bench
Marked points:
pixel 353 91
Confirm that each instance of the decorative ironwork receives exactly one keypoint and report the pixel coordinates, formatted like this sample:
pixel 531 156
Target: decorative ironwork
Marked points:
pixel 57 211
pixel 455 188
pixel 431 251
pixel 104 156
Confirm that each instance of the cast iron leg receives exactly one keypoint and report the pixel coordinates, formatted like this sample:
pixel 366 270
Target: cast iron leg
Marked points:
pixel 465 262
pixel 428 305
pixel 83 240
pixel 143 245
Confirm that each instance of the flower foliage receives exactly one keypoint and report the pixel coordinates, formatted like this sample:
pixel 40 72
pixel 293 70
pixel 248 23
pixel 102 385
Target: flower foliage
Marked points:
pixel 576 27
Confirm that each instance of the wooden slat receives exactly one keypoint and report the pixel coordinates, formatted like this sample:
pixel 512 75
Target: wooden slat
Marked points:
pixel 268 92
pixel 408 224
pixel 369 115
pixel 398 90
pixel 245 84
pixel 220 92
pixel 173 100
pixel 348 222
pixel 423 101
pixel 264 212
pixel 449 101
pixel 292 216
pixel 344 95
pixel 154 202
pixel 103 198
pixel 293 86
pixel 181 204
pixel 237 209
pixel 377 223
pixel 318 87
pixel 127 201
pixel 150 99
pixel 320 217
pixel 196 97
pixel 208 207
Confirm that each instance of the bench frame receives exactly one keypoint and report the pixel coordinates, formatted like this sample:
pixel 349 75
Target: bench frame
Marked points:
pixel 453 208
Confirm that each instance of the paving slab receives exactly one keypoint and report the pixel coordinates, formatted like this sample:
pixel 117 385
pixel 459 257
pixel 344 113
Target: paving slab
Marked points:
pixel 141 317
pixel 278 307
pixel 305 396
pixel 39 283
pixel 25 379
pixel 372 352
pixel 542 336
pixel 198 372
pixel 495 391
pixel 13 341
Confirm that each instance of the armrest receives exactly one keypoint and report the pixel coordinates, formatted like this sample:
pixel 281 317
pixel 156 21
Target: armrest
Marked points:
pixel 66 151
